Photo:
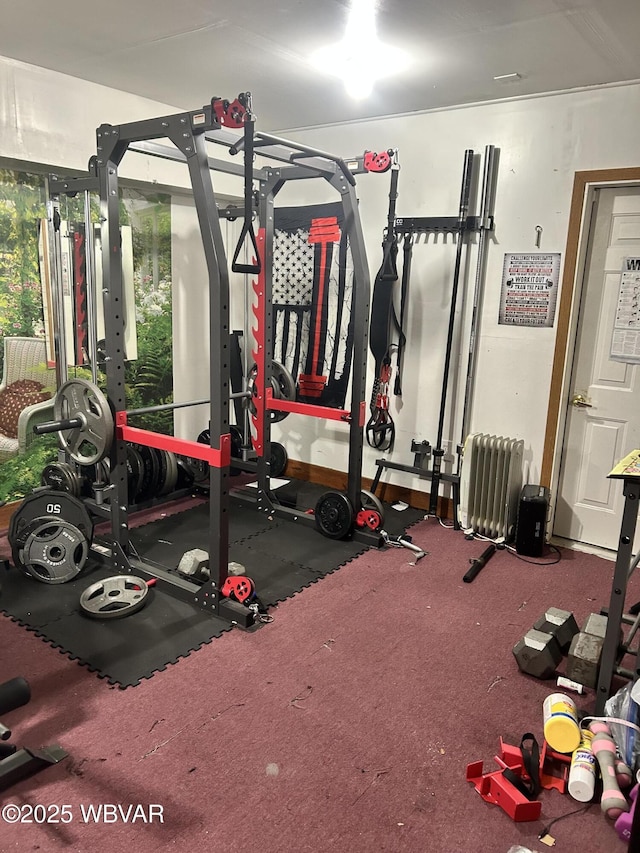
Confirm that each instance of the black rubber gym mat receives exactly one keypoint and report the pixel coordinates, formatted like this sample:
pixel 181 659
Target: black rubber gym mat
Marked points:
pixel 281 556
pixel 123 651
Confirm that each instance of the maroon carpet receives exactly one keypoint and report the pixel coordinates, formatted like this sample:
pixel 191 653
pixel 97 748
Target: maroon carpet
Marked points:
pixel 345 725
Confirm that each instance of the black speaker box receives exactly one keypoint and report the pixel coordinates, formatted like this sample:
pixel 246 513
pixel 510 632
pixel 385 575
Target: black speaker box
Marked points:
pixel 531 527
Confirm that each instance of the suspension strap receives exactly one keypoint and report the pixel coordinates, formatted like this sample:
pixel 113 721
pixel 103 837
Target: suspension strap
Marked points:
pixel 381 430
pixel 407 252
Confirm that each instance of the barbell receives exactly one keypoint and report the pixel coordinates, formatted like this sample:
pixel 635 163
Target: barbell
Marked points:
pixel 85 424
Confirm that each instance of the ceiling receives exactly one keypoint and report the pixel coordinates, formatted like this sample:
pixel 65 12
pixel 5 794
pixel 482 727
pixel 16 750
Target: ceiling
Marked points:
pixel 184 52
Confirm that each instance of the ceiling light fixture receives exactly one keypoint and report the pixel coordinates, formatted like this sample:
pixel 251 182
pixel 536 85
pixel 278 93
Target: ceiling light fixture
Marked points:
pixel 360 58
pixel 508 78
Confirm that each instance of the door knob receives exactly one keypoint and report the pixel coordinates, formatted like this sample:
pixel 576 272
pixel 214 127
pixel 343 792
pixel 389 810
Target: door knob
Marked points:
pixel 581 401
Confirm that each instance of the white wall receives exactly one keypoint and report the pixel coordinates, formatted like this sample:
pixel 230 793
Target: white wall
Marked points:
pixel 51 119
pixel 542 142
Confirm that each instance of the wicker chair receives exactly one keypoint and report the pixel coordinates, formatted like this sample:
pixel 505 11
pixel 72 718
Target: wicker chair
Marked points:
pixel 26 358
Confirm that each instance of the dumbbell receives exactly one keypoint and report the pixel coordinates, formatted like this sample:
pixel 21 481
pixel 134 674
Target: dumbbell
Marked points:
pixel 540 651
pixel 613 802
pixel 583 661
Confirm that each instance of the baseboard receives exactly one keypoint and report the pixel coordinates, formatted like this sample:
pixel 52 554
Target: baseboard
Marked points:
pixel 328 477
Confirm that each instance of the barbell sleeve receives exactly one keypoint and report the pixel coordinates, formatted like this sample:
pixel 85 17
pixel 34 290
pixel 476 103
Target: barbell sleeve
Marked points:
pixel 57 426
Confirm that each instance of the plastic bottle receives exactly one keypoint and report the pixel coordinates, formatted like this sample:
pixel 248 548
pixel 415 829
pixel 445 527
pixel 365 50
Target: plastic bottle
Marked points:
pixel 561 730
pixel 583 772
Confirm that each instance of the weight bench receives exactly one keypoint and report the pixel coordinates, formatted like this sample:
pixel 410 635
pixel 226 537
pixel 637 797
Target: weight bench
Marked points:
pixel 17 764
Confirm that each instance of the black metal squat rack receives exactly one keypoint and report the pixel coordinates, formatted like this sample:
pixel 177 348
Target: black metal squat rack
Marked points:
pixel 81 415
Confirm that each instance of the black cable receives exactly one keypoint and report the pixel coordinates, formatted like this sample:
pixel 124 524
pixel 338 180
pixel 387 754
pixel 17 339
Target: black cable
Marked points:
pixel 535 562
pixel 582 810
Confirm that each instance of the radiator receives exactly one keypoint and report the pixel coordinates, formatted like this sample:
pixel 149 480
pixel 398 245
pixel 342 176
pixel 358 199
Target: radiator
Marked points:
pixel 490 485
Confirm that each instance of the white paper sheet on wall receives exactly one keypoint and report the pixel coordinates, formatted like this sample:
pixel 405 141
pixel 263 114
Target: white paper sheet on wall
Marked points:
pixel 625 340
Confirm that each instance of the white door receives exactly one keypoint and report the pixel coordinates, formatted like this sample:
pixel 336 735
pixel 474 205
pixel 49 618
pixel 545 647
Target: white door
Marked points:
pixel 604 426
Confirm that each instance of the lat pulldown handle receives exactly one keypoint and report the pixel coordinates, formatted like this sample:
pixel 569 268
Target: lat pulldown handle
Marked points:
pixel 247 232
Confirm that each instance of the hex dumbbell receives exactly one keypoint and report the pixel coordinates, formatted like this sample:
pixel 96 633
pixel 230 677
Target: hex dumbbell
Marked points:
pixel 583 661
pixel 540 651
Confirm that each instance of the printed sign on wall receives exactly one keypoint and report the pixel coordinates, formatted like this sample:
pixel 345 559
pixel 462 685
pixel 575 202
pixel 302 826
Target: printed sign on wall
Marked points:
pixel 529 289
pixel 625 341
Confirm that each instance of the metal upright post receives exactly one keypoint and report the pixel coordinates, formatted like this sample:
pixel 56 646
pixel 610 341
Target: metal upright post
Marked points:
pixel 360 319
pixel 486 226
pixel 91 288
pixel 57 289
pixel 111 150
pixel 618 591
pixel 438 451
pixel 219 376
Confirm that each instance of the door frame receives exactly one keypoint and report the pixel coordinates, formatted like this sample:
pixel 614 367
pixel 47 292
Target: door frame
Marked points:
pixel 584 186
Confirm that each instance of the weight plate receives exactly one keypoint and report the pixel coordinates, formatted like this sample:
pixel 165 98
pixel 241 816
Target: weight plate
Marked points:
pixel 92 440
pixel 237 440
pixel 61 477
pixel 278 459
pixel 18 544
pixel 135 473
pixel 55 552
pixel 369 501
pixel 162 476
pixel 284 381
pixel 172 472
pixel 334 515
pixel 114 597
pixel 185 475
pixel 282 385
pixel 151 473
pixel 198 468
pixel 46 505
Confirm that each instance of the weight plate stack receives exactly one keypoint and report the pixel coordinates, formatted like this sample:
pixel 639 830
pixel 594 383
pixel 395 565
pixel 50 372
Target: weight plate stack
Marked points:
pixel 40 508
pixel 171 476
pixel 151 473
pixel 61 477
pixel 135 473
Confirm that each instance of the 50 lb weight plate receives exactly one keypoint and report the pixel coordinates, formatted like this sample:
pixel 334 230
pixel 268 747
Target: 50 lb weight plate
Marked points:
pixel 39 507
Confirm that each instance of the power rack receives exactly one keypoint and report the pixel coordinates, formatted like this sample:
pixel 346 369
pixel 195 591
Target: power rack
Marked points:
pixel 82 413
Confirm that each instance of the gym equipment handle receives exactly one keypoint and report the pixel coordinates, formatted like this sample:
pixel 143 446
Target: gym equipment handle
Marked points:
pixel 57 426
pixel 479 564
